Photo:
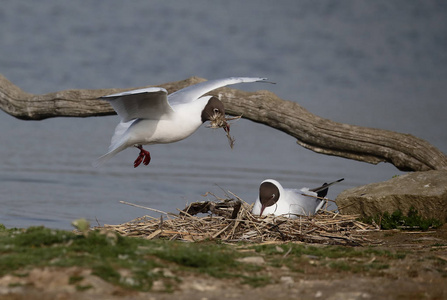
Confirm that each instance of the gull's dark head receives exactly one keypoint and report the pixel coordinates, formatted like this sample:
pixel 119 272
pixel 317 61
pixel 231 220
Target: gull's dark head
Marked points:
pixel 214 112
pixel 268 195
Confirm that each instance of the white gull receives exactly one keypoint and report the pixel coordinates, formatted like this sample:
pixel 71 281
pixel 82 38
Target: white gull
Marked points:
pixel 151 116
pixel 276 200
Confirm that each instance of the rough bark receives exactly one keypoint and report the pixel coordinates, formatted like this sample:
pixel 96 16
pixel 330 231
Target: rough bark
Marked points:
pixel 406 152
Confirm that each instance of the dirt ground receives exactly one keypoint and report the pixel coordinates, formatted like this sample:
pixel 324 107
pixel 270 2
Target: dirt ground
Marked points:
pixel 422 274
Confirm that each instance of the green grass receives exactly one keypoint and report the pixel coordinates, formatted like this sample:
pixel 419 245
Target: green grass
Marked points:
pixel 325 251
pixel 39 247
pixel 110 256
pixel 256 281
pixel 338 258
pixel 107 254
pixel 398 220
pixel 213 259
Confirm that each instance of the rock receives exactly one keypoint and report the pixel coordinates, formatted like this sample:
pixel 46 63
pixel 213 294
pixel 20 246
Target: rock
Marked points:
pixel 287 280
pixel 255 260
pixel 425 191
pixel 200 284
pixel 56 281
pixel 279 249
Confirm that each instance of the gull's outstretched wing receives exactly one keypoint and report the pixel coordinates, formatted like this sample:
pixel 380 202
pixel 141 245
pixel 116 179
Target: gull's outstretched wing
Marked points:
pixel 193 92
pixel 147 103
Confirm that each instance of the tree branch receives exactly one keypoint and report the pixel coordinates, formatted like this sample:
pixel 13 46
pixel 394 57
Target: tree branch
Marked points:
pixel 406 152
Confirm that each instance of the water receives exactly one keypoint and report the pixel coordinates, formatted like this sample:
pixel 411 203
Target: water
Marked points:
pixel 379 64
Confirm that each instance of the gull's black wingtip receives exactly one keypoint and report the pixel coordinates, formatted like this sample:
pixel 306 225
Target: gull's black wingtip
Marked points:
pixel 265 80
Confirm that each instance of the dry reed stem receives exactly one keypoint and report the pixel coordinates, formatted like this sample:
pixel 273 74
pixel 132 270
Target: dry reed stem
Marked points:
pixel 230 220
pixel 219 121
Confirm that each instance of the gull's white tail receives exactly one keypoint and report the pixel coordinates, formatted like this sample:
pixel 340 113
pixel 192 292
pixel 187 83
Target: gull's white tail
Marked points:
pixel 118 144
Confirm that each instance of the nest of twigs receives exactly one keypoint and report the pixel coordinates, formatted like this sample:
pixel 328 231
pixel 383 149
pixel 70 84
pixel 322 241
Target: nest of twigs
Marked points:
pixel 230 220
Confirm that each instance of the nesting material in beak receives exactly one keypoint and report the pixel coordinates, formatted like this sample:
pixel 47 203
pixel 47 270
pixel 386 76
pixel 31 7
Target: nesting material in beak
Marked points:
pixel 221 121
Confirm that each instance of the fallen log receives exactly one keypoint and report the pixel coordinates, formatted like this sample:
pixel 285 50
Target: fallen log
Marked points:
pixel 405 151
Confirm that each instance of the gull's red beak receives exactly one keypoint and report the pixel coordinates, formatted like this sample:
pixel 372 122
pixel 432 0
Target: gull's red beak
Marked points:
pixel 262 210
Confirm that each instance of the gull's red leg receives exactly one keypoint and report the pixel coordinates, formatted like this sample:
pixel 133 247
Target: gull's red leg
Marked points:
pixel 144 157
pixel 139 159
pixel 147 158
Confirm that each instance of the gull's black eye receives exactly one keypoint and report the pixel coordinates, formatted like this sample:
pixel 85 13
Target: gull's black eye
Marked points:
pixel 216 110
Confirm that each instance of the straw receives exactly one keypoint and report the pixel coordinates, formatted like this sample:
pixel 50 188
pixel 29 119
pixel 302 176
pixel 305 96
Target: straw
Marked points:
pixel 230 220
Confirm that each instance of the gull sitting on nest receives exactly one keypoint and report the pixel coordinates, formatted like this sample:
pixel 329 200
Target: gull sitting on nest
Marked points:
pixel 276 200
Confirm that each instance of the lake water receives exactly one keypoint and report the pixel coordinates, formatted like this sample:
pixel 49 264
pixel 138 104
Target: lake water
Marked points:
pixel 379 64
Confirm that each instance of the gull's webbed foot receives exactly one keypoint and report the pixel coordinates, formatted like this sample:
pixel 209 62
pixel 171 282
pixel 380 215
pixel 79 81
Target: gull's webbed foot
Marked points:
pixel 144 157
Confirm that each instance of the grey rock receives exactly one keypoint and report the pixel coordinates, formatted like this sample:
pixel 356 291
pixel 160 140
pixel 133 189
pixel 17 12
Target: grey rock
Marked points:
pixel 255 260
pixel 287 280
pixel 425 191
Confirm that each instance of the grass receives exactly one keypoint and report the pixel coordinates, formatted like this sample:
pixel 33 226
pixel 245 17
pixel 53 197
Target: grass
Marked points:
pixel 398 220
pixel 40 247
pixel 135 263
pixel 337 258
pixel 106 254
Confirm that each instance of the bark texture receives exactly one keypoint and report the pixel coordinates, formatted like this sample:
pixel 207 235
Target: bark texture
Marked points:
pixel 406 152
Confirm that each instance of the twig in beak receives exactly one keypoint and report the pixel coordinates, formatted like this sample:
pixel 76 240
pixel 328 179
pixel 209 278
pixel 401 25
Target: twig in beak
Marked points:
pixel 219 121
pixel 227 129
pixel 229 137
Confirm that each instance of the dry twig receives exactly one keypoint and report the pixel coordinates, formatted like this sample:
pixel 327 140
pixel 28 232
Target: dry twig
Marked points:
pixel 230 220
